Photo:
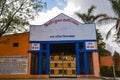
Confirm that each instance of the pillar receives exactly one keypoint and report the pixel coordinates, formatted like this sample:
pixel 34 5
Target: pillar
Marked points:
pixel 48 59
pixel 40 63
pixel 96 64
pixel 77 59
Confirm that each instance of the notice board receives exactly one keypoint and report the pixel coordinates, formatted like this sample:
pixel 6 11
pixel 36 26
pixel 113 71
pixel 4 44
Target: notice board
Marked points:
pixel 13 65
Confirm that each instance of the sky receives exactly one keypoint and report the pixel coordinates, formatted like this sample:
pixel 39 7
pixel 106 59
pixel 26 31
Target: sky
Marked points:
pixel 69 7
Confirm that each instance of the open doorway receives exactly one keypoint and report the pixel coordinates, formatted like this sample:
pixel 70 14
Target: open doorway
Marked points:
pixel 62 60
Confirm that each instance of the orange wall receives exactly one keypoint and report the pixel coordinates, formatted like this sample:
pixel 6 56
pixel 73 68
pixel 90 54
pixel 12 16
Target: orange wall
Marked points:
pixel 7 49
pixel 106 61
pixel 96 64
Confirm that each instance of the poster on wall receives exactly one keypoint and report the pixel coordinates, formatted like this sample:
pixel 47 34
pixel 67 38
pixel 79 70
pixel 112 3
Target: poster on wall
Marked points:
pixel 91 45
pixel 13 65
pixel 35 46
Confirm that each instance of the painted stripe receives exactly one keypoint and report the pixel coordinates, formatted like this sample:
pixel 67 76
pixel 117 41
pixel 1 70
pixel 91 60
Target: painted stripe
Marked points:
pixel 59 41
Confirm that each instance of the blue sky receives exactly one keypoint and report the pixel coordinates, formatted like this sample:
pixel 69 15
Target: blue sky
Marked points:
pixel 69 7
pixel 54 3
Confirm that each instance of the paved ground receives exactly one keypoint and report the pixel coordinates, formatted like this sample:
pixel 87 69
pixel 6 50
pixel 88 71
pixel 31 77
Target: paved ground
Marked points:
pixel 105 78
pixel 55 79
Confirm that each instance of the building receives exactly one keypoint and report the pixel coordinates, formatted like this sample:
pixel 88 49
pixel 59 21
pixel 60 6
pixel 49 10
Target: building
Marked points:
pixel 62 47
pixel 14 57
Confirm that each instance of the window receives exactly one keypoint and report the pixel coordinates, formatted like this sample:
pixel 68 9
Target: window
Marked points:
pixel 44 47
pixel 81 46
pixel 15 44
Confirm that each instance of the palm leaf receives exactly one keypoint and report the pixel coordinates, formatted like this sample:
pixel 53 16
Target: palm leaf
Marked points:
pixel 90 10
pixel 118 29
pixel 116 6
pixel 106 20
pixel 99 16
pixel 109 32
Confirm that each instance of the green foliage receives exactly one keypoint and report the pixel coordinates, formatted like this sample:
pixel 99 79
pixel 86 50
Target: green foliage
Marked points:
pixel 101 45
pixel 108 71
pixel 116 6
pixel 15 14
pixel 117 73
pixel 100 39
pixel 38 4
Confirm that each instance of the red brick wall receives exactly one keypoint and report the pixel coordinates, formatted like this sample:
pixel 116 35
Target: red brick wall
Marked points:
pixel 106 61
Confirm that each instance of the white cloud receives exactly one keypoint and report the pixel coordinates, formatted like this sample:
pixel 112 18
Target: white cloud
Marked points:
pixel 61 4
pixel 45 16
pixel 75 2
pixel 71 8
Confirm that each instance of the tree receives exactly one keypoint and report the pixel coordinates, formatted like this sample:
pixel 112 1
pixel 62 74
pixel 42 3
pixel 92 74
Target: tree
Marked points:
pixel 15 14
pixel 101 45
pixel 90 18
pixel 116 8
pixel 106 71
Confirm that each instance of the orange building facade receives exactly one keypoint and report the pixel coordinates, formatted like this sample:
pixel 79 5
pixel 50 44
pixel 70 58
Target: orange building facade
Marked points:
pixel 14 56
pixel 43 55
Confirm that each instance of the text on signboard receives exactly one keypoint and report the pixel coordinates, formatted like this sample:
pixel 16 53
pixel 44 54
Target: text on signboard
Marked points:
pixel 60 20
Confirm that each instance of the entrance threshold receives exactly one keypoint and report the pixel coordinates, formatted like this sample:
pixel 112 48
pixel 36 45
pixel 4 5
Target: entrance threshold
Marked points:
pixel 63 76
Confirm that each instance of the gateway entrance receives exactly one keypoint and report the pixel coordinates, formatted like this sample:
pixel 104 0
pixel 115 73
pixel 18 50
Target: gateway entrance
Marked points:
pixel 62 60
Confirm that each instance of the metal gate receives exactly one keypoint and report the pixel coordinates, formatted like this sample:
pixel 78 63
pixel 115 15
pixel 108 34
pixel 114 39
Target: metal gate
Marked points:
pixel 62 65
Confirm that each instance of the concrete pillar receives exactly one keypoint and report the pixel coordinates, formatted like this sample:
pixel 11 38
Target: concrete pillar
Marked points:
pixel 96 64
